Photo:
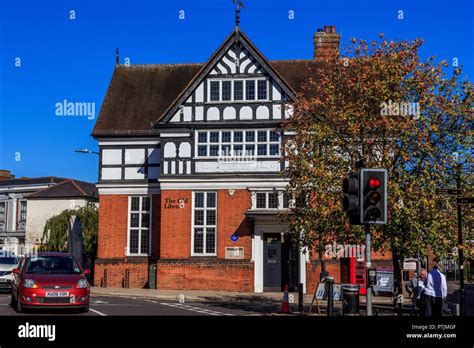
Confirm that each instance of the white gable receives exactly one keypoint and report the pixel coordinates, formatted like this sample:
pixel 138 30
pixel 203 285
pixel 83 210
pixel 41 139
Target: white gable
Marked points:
pixel 245 64
pixel 237 86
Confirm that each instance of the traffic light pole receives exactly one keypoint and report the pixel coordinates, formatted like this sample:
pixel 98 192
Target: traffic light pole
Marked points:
pixel 368 264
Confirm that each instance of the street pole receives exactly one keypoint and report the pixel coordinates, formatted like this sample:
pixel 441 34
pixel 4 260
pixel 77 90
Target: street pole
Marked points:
pixel 460 250
pixel 330 285
pixel 368 264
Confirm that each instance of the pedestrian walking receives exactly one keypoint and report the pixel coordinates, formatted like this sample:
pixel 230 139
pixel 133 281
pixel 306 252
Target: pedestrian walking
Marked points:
pixel 434 292
pixel 419 293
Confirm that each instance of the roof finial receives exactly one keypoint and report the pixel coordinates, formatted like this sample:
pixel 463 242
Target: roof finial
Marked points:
pixel 240 5
pixel 116 56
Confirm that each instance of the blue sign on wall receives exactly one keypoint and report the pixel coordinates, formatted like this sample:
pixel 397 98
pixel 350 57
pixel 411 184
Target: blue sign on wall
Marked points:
pixel 234 238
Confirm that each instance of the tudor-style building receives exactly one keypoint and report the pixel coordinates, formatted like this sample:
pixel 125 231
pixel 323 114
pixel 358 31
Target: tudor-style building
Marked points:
pixel 191 195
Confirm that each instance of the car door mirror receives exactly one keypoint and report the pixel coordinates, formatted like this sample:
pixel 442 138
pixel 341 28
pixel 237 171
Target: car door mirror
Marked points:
pixel 15 271
pixel 87 272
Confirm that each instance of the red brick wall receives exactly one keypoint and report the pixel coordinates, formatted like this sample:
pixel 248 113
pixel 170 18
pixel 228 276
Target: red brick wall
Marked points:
pixel 112 240
pixel 176 223
pixel 116 273
pixel 313 270
pixel 175 239
pixel 231 219
pixel 205 275
pixel 178 270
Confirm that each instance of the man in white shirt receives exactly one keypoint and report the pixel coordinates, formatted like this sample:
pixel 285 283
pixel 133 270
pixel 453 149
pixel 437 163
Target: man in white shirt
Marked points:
pixel 434 292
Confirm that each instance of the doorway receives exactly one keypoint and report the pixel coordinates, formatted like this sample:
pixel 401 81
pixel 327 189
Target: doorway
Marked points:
pixel 280 262
pixel 272 262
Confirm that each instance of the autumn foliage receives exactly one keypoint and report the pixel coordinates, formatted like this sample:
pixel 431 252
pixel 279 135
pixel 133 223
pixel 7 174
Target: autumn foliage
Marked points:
pixel 380 103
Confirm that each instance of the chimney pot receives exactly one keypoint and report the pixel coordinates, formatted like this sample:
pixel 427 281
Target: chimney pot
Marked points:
pixel 326 45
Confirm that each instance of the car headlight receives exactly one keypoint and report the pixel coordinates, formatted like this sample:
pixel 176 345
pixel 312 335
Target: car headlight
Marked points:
pixel 81 283
pixel 30 284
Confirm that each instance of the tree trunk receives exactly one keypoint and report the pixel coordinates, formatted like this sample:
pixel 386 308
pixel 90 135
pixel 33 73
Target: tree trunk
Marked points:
pixel 323 264
pixel 397 272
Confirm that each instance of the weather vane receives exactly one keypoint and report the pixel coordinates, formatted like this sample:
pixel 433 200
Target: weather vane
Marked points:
pixel 240 5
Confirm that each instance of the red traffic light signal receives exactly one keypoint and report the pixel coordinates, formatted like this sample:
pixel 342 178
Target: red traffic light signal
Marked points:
pixel 373 196
pixel 374 182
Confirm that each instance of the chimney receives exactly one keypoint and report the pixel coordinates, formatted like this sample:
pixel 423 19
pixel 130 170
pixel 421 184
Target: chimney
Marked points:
pixel 6 175
pixel 326 43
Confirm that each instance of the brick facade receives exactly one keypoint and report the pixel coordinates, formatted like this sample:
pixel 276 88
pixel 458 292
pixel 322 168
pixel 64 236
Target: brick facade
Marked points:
pixel 214 274
pixel 122 271
pixel 177 269
pixel 171 244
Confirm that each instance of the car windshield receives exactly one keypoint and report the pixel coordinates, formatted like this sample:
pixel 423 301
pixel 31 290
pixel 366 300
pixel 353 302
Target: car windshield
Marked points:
pixel 52 264
pixel 8 260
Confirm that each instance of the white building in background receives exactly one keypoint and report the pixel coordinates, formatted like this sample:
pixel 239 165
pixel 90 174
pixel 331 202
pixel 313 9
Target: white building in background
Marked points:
pixel 51 201
pixel 19 213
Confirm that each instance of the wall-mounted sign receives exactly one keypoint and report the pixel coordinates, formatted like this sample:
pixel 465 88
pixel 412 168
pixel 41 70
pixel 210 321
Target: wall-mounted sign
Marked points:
pixel 234 252
pixel 409 264
pixel 234 238
pixel 177 203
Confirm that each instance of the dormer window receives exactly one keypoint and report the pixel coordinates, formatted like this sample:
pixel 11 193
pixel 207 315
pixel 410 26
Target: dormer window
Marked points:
pixel 224 90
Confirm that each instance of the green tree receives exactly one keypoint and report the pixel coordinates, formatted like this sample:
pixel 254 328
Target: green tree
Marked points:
pixel 55 233
pixel 381 104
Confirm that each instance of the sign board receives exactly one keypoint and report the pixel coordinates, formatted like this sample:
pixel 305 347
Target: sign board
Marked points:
pixel 384 283
pixel 409 264
pixel 465 200
pixel 448 192
pixel 234 253
pixel 321 293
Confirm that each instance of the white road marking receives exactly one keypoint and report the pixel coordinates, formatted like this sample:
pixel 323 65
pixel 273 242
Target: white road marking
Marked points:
pixel 151 301
pixel 98 301
pixel 100 313
pixel 195 309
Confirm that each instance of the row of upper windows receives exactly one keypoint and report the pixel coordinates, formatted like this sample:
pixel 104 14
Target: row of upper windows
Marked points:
pixel 238 90
pixel 238 143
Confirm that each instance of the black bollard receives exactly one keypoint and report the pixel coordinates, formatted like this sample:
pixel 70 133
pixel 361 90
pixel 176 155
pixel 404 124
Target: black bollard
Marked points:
pixel 300 297
pixel 330 288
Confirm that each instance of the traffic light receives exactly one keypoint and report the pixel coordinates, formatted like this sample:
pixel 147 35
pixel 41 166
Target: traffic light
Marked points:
pixel 373 196
pixel 350 186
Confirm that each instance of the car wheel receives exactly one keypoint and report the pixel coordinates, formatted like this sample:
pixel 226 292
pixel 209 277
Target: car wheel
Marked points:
pixel 84 309
pixel 19 307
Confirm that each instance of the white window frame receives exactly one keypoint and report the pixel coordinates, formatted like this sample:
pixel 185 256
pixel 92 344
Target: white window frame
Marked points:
pixel 3 224
pixel 280 198
pixel 244 96
pixel 204 226
pixel 20 223
pixel 232 143
pixel 140 228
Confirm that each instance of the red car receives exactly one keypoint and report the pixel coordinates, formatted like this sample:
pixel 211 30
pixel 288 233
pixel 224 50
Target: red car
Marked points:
pixel 50 280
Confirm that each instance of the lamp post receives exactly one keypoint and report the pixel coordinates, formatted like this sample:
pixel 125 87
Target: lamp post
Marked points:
pixel 86 151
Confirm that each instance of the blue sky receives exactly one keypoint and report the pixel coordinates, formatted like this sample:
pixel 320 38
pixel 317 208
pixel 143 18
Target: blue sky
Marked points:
pixel 73 59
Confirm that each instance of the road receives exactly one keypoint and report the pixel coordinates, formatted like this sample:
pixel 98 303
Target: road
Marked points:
pixel 120 305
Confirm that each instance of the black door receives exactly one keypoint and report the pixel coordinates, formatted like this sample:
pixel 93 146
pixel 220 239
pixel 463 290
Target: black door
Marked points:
pixel 289 260
pixel 272 262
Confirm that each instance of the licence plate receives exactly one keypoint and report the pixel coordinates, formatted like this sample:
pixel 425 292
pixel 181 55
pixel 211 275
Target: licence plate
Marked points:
pixel 57 294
